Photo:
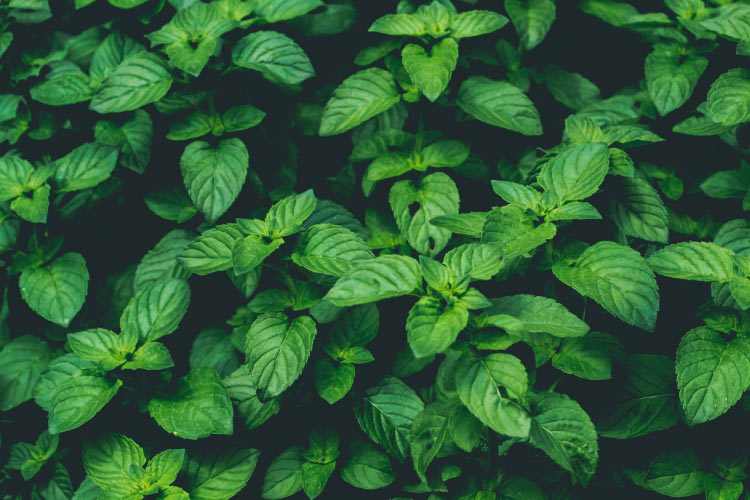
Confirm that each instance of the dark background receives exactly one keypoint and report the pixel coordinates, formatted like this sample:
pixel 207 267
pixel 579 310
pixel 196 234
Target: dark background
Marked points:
pixel 120 230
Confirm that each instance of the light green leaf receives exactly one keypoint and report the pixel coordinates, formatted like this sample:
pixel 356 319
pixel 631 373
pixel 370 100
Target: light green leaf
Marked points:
pixel 252 410
pixel 712 373
pixel 276 56
pixel 476 23
pixel 565 432
pixel 618 278
pixel 278 351
pixel 108 462
pixel 58 290
pixel 161 261
pixel 213 348
pixel 163 467
pixel 360 97
pixel 517 194
pixel 588 357
pixel 649 402
pixel 241 117
pixel 694 260
pixel 428 433
pixel 133 138
pixel 101 346
pixel 639 211
pixel 214 176
pixel 414 206
pixel 376 279
pixel 33 209
pixel 212 250
pixel 728 101
pixel 576 173
pixel 446 153
pixel 512 230
pixel 478 381
pixel 368 468
pixel 138 80
pixel 63 86
pixel 676 474
pixel 386 413
pixel 732 21
pixel 432 327
pixel 157 309
pixel 314 477
pixel 286 216
pixel 479 261
pixel 280 10
pixel 469 223
pixel 249 252
pixel 431 72
pixel 538 315
pixel 671 77
pixel 219 476
pixel 284 476
pixel 399 25
pixel 110 53
pixel 14 176
pixel 532 19
pixel 23 360
pixel 198 408
pixel 330 249
pixel 500 104
pixel 574 210
pixel 333 381
pixel 150 356
pixel 78 400
pixel 84 167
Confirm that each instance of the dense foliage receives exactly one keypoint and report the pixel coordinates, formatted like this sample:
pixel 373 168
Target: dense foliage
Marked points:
pixel 445 249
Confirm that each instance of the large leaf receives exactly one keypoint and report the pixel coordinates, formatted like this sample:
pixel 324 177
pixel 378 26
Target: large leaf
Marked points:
pixel 676 473
pixel 161 261
pixel 694 260
pixel 414 207
pixel 500 104
pixel 212 250
pixel 219 476
pixel 23 361
pixel 432 327
pixel 640 212
pixel 84 167
pixel 576 173
pixel 214 176
pixel 157 309
pixel 712 373
pixel 619 279
pixel 284 475
pixel 537 315
pixel 276 56
pixel 140 79
pixel 108 461
pixel 330 249
pixel 532 19
pixel 367 468
pixel 278 351
pixel 281 10
pixel 386 413
pixel 198 408
pixel 376 279
pixel 78 400
pixel 565 432
pixel 360 97
pixel 728 100
pixel 58 290
pixel 670 79
pixel 493 388
pixel 431 72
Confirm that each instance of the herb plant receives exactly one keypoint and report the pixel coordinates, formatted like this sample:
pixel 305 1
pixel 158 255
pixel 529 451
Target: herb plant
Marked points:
pixel 444 249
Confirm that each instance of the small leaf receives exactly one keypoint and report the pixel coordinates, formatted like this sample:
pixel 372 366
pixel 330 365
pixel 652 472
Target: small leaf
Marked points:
pixel 138 80
pixel 500 104
pixel 219 476
pixel 432 327
pixel 368 468
pixel 475 23
pixel 284 475
pixel 276 56
pixel 728 101
pixel 330 249
pixel 108 462
pixel 670 79
pixel 538 315
pixel 58 290
pixel 23 361
pixel 676 474
pixel 431 72
pixel 376 279
pixel 78 400
pixel 84 167
pixel 532 19
pixel 212 250
pixel 333 381
pixel 640 212
pixel 576 173
pixel 157 309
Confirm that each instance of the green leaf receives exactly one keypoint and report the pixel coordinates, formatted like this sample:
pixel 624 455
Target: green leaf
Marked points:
pixel 84 167
pixel 108 462
pixel 33 209
pixel 14 176
pixel 330 249
pixel 428 433
pixel 386 413
pixel 493 388
pixel 640 212
pixel 198 408
pixel 284 476
pixel 213 348
pixel 671 76
pixel 694 260
pixel 219 476
pixel 360 97
pixel 447 153
pixel 161 261
pixel 23 360
pixel 214 176
pixel 280 10
pixel 286 216
pixel 576 173
pixel 565 432
pixel 249 252
pixel 333 381
pixel 479 261
pixel 58 290
pixel 712 373
pixel 278 351
pixel 115 48
pixel 171 203
pixel 399 25
pixel 276 56
pixel 431 72
pixel 517 194
pixel 676 474
pixel 499 104
pixel 512 230
pixel 138 80
pixel 476 23
pixel 414 206
pixel 150 356
pixel 78 400
pixel 315 476
pixel 588 357
pixel 538 315
pixel 574 210
pixel 718 488
pixel 470 223
pixel 101 346
pixel 157 309
pixel 211 251
pixel 133 138
pixel 618 278
pixel 63 86
pixel 649 402
pixel 252 410
pixel 241 117
pixel 376 279
pixel 532 19
pixel 732 21
pixel 570 89
pixel 432 327
pixel 728 101
pixel 163 468
pixel 367 468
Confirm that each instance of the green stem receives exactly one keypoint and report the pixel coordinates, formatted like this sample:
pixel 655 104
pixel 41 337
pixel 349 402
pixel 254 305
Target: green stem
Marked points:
pixel 420 133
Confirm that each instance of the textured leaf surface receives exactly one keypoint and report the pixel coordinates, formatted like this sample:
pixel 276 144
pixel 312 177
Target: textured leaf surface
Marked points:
pixel 693 260
pixel 276 56
pixel 500 104
pixel 58 290
pixel 376 279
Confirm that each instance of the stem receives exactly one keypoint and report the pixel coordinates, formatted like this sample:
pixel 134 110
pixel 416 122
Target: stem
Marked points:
pixel 420 133
pixel 585 303
pixel 554 384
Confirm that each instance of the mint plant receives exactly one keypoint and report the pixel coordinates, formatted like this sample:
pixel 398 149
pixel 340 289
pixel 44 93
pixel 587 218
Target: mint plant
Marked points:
pixel 419 249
